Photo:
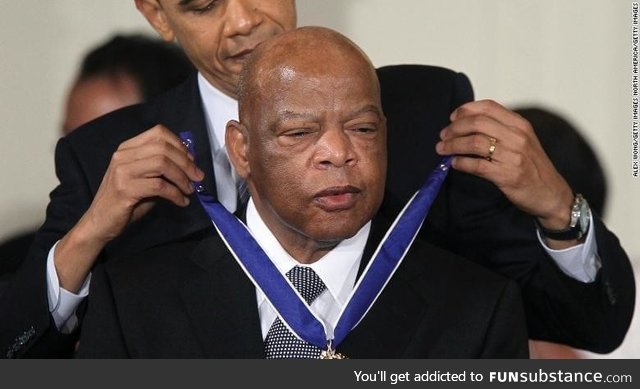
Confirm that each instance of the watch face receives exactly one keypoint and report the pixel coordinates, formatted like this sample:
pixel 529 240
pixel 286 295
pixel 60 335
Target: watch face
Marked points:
pixel 585 215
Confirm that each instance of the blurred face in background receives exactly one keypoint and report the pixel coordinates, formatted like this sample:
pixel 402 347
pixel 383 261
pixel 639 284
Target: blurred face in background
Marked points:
pixel 95 96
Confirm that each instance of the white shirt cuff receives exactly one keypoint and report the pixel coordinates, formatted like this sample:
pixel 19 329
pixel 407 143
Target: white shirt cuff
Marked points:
pixel 579 262
pixel 62 303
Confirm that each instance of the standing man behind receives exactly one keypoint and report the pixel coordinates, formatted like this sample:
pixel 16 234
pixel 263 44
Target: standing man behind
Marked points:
pixel 122 192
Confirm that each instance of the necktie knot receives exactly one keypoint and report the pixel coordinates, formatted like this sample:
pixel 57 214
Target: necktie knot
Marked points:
pixel 307 282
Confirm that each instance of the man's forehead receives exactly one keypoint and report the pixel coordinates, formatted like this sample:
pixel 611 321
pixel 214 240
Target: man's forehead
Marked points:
pixel 275 73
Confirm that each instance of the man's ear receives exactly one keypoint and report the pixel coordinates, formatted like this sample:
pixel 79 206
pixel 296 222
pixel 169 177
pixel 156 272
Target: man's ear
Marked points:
pixel 155 15
pixel 237 143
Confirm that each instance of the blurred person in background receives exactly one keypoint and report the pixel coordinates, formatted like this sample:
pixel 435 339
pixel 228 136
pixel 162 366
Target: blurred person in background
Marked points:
pixel 124 70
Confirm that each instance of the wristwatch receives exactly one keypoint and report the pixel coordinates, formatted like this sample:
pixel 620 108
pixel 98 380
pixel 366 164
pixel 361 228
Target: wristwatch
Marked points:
pixel 578 225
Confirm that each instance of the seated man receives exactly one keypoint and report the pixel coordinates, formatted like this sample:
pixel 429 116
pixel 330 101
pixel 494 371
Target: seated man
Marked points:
pixel 311 147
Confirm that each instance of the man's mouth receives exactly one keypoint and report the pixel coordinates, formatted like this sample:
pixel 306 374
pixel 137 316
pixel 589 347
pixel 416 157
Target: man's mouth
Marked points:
pixel 241 55
pixel 337 198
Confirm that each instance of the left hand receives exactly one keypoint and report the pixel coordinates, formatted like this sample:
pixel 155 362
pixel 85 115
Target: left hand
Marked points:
pixel 518 165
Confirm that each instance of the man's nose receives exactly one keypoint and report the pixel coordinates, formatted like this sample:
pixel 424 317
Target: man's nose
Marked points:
pixel 335 149
pixel 241 17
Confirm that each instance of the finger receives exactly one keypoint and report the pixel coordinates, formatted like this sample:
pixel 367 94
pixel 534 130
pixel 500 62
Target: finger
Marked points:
pixel 156 134
pixel 161 166
pixel 478 145
pixel 491 109
pixel 148 188
pixel 178 156
pixel 478 124
pixel 507 138
pixel 494 171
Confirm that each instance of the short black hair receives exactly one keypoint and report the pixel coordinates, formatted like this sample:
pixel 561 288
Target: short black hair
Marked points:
pixel 154 64
pixel 570 153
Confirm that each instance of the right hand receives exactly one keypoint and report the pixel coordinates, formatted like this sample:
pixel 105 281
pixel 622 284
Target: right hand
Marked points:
pixel 150 165
pixel 154 164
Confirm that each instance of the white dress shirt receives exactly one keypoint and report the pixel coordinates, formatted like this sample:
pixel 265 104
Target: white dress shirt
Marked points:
pixel 337 269
pixel 580 262
pixel 218 110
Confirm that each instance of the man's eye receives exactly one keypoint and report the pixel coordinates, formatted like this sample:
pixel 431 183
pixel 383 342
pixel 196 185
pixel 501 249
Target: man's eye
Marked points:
pixel 365 129
pixel 206 8
pixel 297 133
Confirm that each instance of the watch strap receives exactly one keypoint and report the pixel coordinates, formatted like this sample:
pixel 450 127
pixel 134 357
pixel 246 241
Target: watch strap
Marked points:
pixel 575 231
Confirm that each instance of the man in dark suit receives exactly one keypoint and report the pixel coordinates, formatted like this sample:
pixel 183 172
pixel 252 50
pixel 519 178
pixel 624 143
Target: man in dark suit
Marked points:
pixel 314 161
pixel 124 177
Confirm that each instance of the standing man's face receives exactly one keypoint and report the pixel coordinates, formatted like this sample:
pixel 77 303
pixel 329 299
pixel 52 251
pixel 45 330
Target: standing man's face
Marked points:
pixel 218 35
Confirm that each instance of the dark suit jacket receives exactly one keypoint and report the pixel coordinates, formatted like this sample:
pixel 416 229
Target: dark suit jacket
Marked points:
pixel 190 299
pixel 470 216
pixel 12 253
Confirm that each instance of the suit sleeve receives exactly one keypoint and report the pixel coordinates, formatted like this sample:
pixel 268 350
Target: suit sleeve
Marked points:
pixel 479 223
pixel 101 332
pixel 592 316
pixel 26 328
pixel 507 332
pixel 471 217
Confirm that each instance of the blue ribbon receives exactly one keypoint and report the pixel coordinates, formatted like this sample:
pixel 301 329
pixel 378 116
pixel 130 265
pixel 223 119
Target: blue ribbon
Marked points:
pixel 281 294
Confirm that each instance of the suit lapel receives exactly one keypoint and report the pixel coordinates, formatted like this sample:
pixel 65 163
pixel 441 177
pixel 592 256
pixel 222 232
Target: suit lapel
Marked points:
pixel 192 118
pixel 221 304
pixel 389 326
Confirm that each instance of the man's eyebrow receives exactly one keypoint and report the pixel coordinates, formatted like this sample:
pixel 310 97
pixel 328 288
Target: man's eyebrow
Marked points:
pixel 369 108
pixel 288 115
pixel 292 115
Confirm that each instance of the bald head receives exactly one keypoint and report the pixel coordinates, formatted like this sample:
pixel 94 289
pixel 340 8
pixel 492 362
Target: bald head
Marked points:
pixel 311 140
pixel 303 52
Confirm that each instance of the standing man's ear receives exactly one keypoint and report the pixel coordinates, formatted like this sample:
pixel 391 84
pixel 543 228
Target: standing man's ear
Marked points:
pixel 237 144
pixel 155 15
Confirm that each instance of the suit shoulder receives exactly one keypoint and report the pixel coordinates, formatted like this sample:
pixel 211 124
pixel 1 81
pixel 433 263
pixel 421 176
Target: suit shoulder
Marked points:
pixel 423 90
pixel 111 129
pixel 419 76
pixel 416 70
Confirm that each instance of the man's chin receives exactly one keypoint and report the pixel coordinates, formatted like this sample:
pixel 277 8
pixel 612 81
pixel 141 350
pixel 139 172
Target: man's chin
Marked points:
pixel 335 235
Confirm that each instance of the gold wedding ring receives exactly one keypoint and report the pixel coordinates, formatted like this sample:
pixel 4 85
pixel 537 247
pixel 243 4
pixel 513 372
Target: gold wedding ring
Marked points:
pixel 492 148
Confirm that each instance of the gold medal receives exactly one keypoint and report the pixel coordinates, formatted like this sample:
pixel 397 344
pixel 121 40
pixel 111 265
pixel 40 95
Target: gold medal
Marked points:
pixel 330 353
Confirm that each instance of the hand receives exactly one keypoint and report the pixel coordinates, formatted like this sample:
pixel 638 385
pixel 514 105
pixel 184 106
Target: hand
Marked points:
pixel 518 165
pixel 154 164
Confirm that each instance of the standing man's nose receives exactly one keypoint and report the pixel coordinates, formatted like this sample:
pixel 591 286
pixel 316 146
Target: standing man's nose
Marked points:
pixel 241 17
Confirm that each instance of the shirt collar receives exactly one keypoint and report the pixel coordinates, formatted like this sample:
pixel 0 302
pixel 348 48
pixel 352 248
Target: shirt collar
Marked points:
pixel 334 268
pixel 218 110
